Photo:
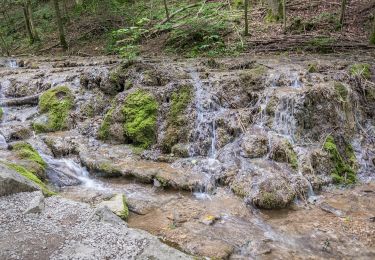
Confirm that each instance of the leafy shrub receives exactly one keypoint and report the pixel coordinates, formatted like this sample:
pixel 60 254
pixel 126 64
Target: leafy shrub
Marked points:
pixel 199 36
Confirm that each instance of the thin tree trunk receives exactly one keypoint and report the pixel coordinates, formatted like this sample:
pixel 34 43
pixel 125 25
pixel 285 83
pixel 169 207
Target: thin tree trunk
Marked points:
pixel 342 14
pixel 166 9
pixel 65 8
pixel 31 21
pixel 60 25
pixel 246 33
pixel 372 36
pixel 27 23
pixel 284 13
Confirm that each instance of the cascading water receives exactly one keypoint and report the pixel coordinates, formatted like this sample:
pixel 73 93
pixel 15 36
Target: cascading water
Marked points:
pixel 207 109
pixel 3 113
pixel 66 172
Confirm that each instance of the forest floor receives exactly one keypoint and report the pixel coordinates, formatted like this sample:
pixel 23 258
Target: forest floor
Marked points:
pixel 311 26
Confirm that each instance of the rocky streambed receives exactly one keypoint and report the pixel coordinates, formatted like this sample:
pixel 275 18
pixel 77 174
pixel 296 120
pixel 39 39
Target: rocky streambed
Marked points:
pixel 253 157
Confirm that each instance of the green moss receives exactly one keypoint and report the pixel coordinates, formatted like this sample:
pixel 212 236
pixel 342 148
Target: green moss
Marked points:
pixel 109 169
pixel 1 114
pixel 341 90
pixel 29 175
pixel 360 70
pixel 103 133
pixel 293 158
pixel 372 37
pixel 268 200
pixel 343 172
pixel 140 113
pixel 25 151
pixel 163 182
pixel 125 213
pixel 57 102
pixel 176 119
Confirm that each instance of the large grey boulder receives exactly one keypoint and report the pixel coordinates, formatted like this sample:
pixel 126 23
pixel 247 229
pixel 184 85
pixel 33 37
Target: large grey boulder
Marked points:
pixel 12 182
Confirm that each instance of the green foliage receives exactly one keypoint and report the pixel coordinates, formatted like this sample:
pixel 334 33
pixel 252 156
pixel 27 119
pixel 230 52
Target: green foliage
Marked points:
pixel 343 172
pixel 1 114
pixel 362 70
pixel 29 175
pixel 341 90
pixel 57 102
pixel 312 68
pixel 199 36
pixel 177 120
pixel 140 113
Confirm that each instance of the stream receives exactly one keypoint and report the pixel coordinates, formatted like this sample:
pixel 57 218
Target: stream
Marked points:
pixel 205 204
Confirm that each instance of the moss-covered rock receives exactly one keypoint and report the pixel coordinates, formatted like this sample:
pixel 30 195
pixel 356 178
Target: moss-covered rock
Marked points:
pixel 252 79
pixel 117 205
pixel 140 113
pixel 56 103
pixel 29 175
pixel 176 121
pixel 282 151
pixel 343 171
pixel 33 161
pixel 1 114
pixel 104 130
pixel 360 70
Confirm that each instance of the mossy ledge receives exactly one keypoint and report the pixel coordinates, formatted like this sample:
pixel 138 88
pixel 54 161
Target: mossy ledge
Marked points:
pixel 29 175
pixel 57 103
pixel 176 120
pixel 25 151
pixel 343 171
pixel 140 111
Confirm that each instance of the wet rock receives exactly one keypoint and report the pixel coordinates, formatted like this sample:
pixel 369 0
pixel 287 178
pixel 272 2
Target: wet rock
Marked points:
pixel 181 150
pixel 103 213
pixel 209 220
pixel 62 146
pixel 328 208
pixel 254 146
pixel 268 185
pixel 12 182
pixel 282 151
pixel 117 205
pixel 36 204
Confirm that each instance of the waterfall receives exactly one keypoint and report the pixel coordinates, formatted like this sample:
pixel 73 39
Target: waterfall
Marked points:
pixel 3 142
pixel 66 172
pixel 207 109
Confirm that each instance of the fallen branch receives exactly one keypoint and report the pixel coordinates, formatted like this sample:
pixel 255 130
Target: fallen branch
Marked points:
pixel 177 12
pixel 29 100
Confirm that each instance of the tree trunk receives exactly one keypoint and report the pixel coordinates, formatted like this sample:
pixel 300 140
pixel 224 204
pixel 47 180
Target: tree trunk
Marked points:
pixel 246 33
pixel 27 23
pixel 284 13
pixel 372 36
pixel 31 21
pixel 60 25
pixel 166 9
pixel 65 9
pixel 342 14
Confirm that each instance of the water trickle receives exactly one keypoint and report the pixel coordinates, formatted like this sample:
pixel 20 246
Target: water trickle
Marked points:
pixel 207 109
pixel 364 155
pixel 66 172
pixel 11 63
pixel 285 122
